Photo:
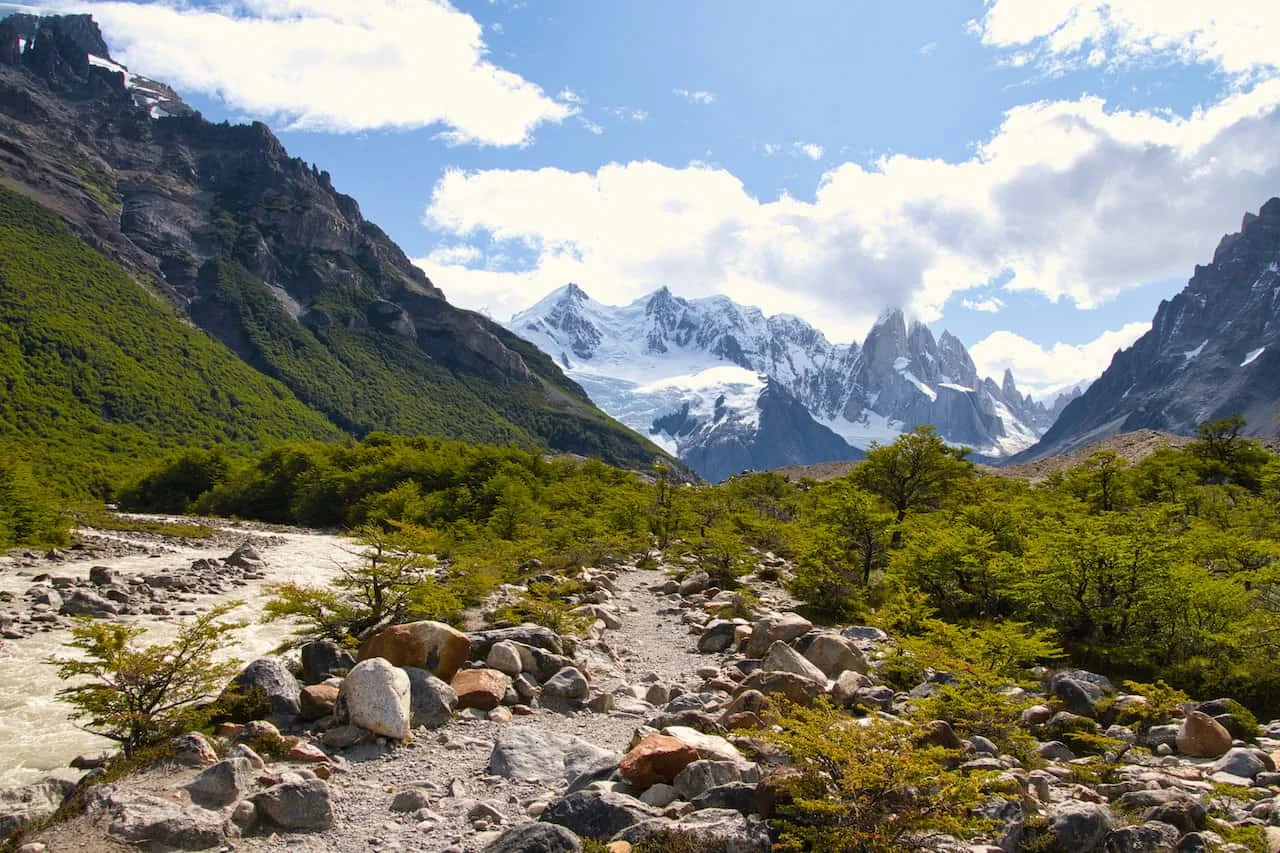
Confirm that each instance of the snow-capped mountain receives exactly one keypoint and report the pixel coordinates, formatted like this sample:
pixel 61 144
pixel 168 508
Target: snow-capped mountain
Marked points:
pixel 1212 351
pixel 701 376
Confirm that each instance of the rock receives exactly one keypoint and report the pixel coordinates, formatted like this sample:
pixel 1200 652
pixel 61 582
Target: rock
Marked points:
pixel 714 829
pixel 297 804
pixel 782 658
pixel 240 750
pixel 432 646
pixel 157 822
pixel 709 747
pixel 694 583
pixel 221 784
pixel 782 627
pixel 505 657
pixel 717 636
pixel 568 684
pixel 1240 761
pixel 659 795
pixel 30 803
pixel 535 838
pixel 597 814
pixel 1055 750
pixel 738 796
pixel 323 658
pixel 82 602
pixel 529 635
pixel 795 688
pixel 194 750
pixel 532 755
pixel 277 686
pixel 343 737
pixel 1078 825
pixel 1180 810
pixel 833 655
pixel 1202 736
pixel 376 696
pixel 657 758
pixel 411 800
pixel 940 733
pixel 1079 696
pixel 306 753
pixel 102 575
pixel 1152 837
pixel 480 688
pixel 317 700
pixel 845 690
pixel 431 701
pixel 701 776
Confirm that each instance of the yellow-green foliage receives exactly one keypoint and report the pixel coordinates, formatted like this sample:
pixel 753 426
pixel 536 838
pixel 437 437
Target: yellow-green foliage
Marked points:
pixel 28 513
pixel 867 786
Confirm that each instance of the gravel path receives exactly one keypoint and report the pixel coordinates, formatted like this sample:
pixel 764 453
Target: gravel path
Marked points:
pixel 450 763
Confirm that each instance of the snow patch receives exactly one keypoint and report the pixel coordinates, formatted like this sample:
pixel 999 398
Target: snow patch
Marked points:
pixel 954 387
pixel 860 433
pixel 22 45
pixel 1252 357
pixel 920 386
pixel 1195 353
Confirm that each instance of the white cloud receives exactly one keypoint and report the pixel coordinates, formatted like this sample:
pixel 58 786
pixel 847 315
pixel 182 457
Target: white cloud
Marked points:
pixel 1237 36
pixel 987 305
pixel 927 49
pixel 332 65
pixel 697 96
pixel 590 125
pixel 458 255
pixel 1046 371
pixel 809 149
pixel 771 148
pixel 1068 199
pixel 628 113
pixel 569 96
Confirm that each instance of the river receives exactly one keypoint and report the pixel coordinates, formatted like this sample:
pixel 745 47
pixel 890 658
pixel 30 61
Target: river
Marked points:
pixel 37 736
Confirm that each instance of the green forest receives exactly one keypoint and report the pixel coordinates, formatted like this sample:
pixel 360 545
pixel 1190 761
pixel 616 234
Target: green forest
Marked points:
pixel 1165 569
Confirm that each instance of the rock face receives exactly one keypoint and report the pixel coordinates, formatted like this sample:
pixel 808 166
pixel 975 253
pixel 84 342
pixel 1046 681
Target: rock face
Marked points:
pixel 250 242
pixel 432 646
pixel 743 390
pixel 377 697
pixel 1213 350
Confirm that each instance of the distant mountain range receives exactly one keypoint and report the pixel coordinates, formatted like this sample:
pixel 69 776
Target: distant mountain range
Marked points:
pixel 727 388
pixel 1212 351
pixel 257 249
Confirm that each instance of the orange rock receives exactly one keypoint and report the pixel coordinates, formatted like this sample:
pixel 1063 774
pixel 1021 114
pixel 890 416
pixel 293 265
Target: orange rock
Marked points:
pixel 432 646
pixel 480 688
pixel 317 701
pixel 1203 737
pixel 657 758
pixel 307 753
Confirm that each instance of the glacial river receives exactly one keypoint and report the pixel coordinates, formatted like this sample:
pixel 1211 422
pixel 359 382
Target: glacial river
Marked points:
pixel 37 737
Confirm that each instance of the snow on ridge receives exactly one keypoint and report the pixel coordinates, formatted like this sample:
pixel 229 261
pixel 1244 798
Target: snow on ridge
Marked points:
pixel 954 387
pixel 1252 357
pixel 923 388
pixel 1195 353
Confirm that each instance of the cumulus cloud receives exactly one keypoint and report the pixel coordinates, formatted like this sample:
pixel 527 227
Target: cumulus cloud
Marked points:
pixel 810 149
pixel 1046 371
pixel 987 305
pixel 333 65
pixel 1237 36
pixel 697 96
pixel 1069 199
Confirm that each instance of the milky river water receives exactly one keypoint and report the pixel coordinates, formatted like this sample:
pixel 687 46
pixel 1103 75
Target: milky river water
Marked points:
pixel 37 737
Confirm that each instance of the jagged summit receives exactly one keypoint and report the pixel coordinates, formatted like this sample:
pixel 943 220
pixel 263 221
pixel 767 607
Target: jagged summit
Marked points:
pixel 1213 350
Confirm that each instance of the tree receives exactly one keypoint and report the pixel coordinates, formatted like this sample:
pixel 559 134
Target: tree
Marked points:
pixel 143 696
pixel 853 529
pixel 1226 457
pixel 915 472
pixel 1100 481
pixel 27 515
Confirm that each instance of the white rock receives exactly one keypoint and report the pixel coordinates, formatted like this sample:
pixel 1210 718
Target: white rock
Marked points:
pixel 377 698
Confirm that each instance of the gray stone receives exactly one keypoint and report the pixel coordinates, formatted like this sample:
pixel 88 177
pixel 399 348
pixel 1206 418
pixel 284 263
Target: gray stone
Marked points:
pixel 505 657
pixel 82 602
pixel 221 784
pixel 278 687
pixel 694 583
pixel 531 635
pixel 323 658
pixel 725 827
pixel 535 838
pixel 782 658
pixel 431 701
pixel 157 822
pixel 717 636
pixel 833 655
pixel 1079 825
pixel 1079 696
pixel 297 804
pixel 781 627
pixel 530 755
pixel 1240 761
pixel 597 814
pixel 567 684
pixel 659 795
pixel 738 796
pixel 1151 837
pixel 1055 750
pixel 700 776
pixel 377 697
pixel 30 803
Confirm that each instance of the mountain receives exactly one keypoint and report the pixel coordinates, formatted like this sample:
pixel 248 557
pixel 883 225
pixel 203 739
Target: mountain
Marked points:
pixel 692 373
pixel 1212 351
pixel 261 252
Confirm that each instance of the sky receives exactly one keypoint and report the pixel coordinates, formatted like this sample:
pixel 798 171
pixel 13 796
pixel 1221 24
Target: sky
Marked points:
pixel 1033 175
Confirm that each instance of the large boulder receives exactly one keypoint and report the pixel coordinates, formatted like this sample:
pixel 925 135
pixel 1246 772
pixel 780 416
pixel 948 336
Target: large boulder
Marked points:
pixel 301 803
pixel 160 823
pixel 1151 837
pixel 535 838
pixel 1079 695
pixel 83 602
pixel 431 701
pixel 480 688
pixel 376 697
pixel 433 646
pixel 778 627
pixel 1202 736
pixel 709 747
pixel 567 685
pixel 318 701
pixel 711 828
pixel 782 658
pixel 530 635
pixel 597 814
pixel 717 636
pixel 532 755
pixel 30 803
pixel 701 776
pixel 272 680
pixel 221 784
pixel 656 758
pixel 1077 825
pixel 795 688
pixel 833 655
pixel 323 658
pixel 1246 763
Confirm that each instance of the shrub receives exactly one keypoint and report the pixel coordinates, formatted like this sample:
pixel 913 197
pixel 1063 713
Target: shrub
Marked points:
pixel 142 696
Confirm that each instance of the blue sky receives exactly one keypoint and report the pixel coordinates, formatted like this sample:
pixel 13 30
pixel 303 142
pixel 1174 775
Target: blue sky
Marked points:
pixel 1034 175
